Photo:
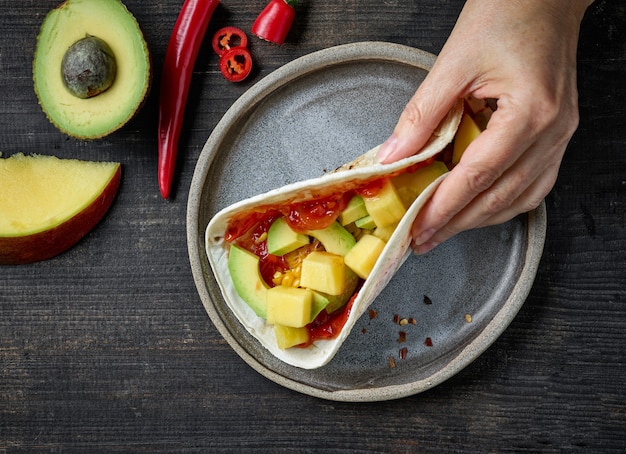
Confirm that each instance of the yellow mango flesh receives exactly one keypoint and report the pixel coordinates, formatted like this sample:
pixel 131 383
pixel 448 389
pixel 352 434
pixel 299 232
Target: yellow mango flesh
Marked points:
pixel 386 207
pixel 289 306
pixel 384 233
pixel 324 272
pixel 287 336
pixel 410 185
pixel 41 192
pixel 467 132
pixel 363 256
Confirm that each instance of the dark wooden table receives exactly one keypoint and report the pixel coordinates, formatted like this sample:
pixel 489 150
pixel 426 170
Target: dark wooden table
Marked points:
pixel 108 348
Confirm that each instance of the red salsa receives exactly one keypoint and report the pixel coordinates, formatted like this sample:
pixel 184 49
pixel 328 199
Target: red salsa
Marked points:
pixel 317 214
pixel 249 230
pixel 327 326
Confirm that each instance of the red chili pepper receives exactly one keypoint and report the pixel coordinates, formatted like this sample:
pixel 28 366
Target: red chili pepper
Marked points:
pixel 236 64
pixel 180 57
pixel 228 37
pixel 274 22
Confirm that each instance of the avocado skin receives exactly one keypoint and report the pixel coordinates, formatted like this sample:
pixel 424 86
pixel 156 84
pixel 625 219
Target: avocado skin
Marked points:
pixel 98 116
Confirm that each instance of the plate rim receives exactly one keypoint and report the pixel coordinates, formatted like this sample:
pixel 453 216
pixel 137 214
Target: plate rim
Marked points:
pixel 248 101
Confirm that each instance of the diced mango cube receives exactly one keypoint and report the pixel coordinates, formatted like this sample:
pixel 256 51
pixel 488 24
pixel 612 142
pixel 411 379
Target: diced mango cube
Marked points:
pixel 289 306
pixel 384 233
pixel 411 184
pixel 386 206
pixel 324 272
pixel 353 211
pixel 467 132
pixel 288 336
pixel 363 256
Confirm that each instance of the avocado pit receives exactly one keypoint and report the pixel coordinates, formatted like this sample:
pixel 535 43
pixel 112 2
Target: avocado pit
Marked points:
pixel 92 69
pixel 88 67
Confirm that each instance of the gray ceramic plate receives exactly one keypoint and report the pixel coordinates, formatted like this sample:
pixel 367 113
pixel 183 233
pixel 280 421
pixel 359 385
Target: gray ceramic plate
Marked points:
pixel 306 118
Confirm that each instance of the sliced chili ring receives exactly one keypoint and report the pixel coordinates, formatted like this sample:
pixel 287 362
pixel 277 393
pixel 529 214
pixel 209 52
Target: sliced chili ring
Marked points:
pixel 227 38
pixel 236 64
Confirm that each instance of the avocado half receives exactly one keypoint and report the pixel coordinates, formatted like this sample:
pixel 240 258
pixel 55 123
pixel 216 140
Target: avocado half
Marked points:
pixel 100 115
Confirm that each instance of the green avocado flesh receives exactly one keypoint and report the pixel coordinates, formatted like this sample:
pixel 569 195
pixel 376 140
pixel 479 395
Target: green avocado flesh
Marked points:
pixel 249 284
pixel 335 238
pixel 106 112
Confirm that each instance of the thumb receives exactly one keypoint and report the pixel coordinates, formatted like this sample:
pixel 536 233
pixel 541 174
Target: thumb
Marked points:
pixel 421 116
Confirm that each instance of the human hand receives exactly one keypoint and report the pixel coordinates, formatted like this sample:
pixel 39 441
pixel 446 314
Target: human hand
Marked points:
pixel 524 55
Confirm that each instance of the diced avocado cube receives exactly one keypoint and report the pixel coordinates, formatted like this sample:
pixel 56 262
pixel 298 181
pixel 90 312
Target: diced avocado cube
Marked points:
pixel 289 306
pixel 365 223
pixel 353 211
pixel 409 185
pixel 243 267
pixel 467 132
pixel 385 207
pixel 287 336
pixel 363 256
pixel 324 272
pixel 320 302
pixel 335 238
pixel 282 239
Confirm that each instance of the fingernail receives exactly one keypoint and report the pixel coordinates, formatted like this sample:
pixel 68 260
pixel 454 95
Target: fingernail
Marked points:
pixel 387 149
pixel 424 248
pixel 424 236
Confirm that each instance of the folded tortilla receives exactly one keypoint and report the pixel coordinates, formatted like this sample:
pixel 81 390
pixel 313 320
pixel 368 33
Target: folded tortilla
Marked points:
pixel 362 169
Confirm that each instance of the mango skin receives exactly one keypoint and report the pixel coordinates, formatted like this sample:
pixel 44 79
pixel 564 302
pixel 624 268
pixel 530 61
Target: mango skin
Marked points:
pixel 20 250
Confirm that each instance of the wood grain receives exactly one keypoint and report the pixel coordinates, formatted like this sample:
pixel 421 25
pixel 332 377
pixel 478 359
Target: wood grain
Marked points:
pixel 107 347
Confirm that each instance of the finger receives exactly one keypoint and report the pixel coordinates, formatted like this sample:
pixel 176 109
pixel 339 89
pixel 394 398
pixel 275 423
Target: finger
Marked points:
pixel 530 199
pixel 529 173
pixel 484 161
pixel 421 116
pixel 520 188
pixel 500 203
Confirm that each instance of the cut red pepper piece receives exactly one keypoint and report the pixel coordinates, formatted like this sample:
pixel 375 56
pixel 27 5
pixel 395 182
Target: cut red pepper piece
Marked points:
pixel 274 22
pixel 236 64
pixel 228 37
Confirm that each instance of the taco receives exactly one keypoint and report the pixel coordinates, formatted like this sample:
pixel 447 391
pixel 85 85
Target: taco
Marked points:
pixel 298 265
